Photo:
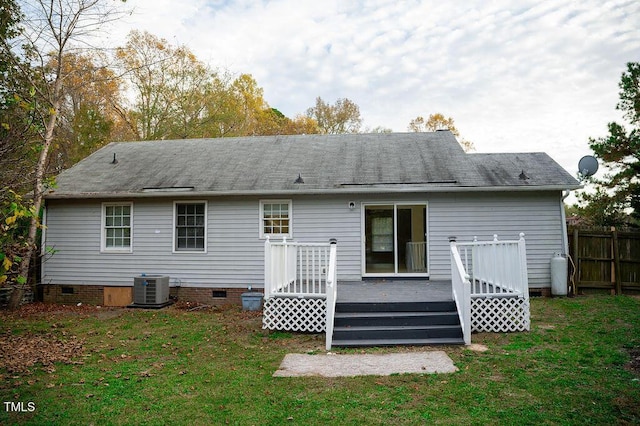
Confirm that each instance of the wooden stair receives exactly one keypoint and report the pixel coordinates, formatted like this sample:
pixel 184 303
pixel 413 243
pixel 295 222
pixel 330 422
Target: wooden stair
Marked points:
pixel 396 323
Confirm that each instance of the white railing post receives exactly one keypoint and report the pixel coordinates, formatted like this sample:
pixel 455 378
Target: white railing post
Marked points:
pixel 461 292
pixel 524 280
pixel 267 269
pixel 332 292
pixel 285 253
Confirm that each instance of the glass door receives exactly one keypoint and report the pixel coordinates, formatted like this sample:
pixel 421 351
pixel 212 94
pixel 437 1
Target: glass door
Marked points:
pixel 379 239
pixel 395 240
pixel 412 239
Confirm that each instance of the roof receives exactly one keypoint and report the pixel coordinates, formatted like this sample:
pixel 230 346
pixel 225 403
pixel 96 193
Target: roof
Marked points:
pixel 347 163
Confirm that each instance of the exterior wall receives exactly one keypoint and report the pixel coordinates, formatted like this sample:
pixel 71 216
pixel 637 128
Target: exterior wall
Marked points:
pixel 94 295
pixel 205 295
pixel 235 254
pixel 538 215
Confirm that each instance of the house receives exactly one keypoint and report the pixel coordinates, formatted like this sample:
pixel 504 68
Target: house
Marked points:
pixel 200 211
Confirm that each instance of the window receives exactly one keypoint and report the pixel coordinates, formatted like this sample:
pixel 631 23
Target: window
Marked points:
pixel 190 226
pixel 275 218
pixel 116 227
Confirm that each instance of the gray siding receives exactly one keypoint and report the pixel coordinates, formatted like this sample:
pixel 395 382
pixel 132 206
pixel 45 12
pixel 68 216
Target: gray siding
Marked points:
pixel 235 253
pixel 506 214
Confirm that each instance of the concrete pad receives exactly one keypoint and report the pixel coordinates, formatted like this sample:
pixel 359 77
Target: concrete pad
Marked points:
pixel 332 365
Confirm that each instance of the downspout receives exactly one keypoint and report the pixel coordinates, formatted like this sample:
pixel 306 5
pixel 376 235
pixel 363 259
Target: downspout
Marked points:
pixel 565 238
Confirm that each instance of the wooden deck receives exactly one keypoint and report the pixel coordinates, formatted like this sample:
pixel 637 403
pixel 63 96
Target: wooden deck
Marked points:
pixel 394 290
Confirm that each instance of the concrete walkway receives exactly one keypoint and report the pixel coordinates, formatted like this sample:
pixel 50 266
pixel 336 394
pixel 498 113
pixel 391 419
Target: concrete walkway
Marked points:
pixel 332 365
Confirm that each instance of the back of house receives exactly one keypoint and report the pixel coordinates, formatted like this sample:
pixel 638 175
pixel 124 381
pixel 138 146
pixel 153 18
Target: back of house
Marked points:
pixel 199 211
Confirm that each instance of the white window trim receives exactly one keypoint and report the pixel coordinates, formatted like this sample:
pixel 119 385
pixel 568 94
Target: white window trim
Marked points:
pixel 103 234
pixel 206 227
pixel 261 219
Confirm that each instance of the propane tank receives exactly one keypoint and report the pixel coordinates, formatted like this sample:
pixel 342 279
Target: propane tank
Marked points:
pixel 559 275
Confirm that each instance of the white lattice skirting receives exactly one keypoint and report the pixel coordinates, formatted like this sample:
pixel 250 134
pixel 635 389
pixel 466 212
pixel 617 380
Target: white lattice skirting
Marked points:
pixel 293 314
pixel 500 314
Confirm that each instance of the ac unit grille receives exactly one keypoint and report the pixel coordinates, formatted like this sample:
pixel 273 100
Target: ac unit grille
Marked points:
pixel 150 294
pixel 151 290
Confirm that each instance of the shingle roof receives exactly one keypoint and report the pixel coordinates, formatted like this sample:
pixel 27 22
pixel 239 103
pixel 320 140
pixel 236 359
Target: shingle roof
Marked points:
pixel 385 162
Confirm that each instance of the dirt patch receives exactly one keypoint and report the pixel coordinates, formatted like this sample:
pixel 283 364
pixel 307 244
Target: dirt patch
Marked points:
pixel 634 364
pixel 181 305
pixel 19 354
pixel 45 309
pixel 476 347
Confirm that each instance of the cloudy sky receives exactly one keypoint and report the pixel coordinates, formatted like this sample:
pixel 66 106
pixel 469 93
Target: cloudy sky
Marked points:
pixel 515 75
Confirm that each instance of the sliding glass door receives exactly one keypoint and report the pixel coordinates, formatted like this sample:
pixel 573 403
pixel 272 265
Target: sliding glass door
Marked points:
pixel 395 240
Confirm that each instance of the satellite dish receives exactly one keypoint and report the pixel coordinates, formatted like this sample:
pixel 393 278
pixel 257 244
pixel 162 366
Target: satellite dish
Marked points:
pixel 587 166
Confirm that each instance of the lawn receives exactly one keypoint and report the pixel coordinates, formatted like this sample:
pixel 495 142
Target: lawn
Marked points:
pixel 577 365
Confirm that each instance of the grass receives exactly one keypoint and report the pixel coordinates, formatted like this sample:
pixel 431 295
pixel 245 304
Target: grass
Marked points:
pixel 210 367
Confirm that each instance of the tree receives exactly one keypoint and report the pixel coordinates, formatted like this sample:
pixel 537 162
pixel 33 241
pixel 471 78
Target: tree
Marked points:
pixel 236 107
pixel 16 157
pixel 299 125
pixel 251 108
pixel 437 122
pixel 153 68
pixel 379 129
pixel 273 122
pixel 341 117
pixel 177 96
pixel 87 113
pixel 618 193
pixel 16 108
pixel 51 30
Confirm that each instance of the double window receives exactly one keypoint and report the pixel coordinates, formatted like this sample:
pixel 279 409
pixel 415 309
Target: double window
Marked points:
pixel 117 220
pixel 275 218
pixel 190 226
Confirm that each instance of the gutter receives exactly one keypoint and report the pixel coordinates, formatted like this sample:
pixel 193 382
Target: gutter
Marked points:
pixel 358 190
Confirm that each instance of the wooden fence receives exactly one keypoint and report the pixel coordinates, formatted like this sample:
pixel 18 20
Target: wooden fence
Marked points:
pixel 604 260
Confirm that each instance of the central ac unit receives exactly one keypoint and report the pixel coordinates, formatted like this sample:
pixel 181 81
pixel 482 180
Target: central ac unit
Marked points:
pixel 151 291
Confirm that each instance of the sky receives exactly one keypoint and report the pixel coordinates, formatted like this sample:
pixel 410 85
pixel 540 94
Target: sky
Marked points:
pixel 516 76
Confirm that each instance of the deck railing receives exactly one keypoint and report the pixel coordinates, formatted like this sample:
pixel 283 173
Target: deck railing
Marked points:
pixel 490 285
pixel 496 267
pixel 306 273
pixel 295 269
pixel 332 292
pixel 461 289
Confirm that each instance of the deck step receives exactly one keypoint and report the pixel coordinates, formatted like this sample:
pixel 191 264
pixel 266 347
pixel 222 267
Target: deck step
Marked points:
pixel 438 306
pixel 397 323
pixel 395 318
pixel 397 332
pixel 398 342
